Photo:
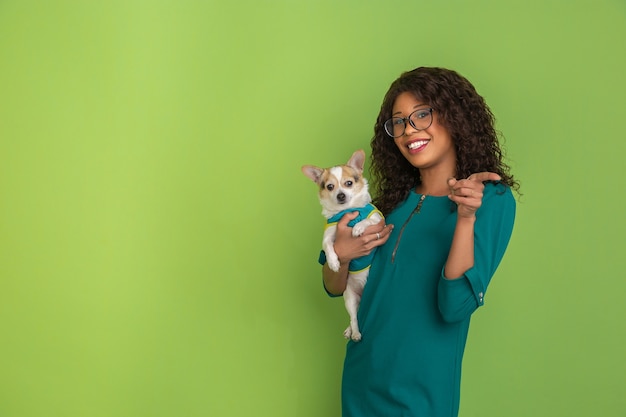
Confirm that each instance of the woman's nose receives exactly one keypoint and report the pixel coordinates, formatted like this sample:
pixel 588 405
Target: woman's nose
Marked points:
pixel 408 128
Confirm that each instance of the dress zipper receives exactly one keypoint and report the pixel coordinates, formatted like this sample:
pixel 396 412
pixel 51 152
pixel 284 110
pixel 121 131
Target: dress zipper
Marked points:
pixel 416 210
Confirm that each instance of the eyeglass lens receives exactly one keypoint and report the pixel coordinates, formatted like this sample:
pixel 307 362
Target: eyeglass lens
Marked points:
pixel 420 119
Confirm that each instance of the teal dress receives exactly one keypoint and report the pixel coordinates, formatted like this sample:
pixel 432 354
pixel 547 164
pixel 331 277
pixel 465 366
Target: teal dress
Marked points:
pixel 414 321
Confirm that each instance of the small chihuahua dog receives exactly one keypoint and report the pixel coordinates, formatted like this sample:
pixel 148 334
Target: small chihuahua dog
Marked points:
pixel 342 190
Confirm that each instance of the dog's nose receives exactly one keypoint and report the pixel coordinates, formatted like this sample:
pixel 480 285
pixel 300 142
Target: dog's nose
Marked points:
pixel 341 197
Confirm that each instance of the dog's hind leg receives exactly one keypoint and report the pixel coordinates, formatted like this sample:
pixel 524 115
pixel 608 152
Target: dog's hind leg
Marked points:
pixel 352 299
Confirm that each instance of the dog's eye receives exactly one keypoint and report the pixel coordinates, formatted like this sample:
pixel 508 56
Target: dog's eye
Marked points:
pixel 348 183
pixel 330 187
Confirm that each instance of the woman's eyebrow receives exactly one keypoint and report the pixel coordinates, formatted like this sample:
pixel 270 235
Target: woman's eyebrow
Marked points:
pixel 417 106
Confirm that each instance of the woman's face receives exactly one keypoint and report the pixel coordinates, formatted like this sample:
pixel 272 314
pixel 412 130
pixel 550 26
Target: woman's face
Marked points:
pixel 429 148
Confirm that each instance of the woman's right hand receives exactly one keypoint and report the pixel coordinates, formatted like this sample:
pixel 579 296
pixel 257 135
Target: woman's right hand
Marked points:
pixel 349 247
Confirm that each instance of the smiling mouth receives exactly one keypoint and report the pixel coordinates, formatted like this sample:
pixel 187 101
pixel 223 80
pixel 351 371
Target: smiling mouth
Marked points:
pixel 418 144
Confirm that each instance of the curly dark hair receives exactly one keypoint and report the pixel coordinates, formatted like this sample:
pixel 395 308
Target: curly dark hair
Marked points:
pixel 461 110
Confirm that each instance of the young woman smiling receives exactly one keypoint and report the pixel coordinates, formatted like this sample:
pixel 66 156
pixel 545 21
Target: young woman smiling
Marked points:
pixel 440 179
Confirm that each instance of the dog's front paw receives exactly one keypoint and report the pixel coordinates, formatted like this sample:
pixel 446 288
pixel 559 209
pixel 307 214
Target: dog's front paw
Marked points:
pixel 358 229
pixel 333 262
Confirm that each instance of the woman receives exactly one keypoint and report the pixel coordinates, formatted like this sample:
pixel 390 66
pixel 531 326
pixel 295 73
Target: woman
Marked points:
pixel 440 180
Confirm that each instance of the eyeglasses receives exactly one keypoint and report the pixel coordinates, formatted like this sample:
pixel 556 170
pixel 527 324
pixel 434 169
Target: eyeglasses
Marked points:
pixel 420 119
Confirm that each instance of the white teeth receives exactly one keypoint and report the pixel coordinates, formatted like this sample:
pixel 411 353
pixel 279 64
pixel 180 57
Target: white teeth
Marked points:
pixel 415 145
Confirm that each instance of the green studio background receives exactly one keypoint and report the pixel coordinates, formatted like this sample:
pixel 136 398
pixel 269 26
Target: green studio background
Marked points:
pixel 158 241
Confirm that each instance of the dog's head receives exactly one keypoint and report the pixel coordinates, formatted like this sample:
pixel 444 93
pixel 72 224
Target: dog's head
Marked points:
pixel 341 187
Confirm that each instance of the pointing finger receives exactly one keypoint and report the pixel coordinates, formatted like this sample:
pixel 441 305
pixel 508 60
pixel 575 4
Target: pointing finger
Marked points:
pixel 484 176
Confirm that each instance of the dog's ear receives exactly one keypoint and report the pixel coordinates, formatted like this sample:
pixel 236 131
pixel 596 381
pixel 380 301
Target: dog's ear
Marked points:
pixel 357 160
pixel 313 172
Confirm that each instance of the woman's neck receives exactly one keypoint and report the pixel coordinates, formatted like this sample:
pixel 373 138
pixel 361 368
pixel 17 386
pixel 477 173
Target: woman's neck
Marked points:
pixel 432 183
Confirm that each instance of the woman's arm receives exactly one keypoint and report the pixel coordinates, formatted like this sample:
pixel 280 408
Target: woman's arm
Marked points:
pixel 468 195
pixel 461 256
pixel 335 282
pixel 474 258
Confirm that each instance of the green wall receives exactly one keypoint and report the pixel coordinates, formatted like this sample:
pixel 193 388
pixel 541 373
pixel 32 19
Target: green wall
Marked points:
pixel 158 242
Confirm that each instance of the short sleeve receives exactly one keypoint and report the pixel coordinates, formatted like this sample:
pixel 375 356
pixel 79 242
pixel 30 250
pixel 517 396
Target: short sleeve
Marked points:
pixel 459 298
pixel 322 258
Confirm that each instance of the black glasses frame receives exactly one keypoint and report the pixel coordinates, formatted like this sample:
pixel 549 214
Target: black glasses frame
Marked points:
pixel 407 119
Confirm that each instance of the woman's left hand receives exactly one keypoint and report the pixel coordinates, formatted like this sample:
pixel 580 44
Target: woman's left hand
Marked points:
pixel 468 193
